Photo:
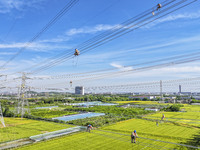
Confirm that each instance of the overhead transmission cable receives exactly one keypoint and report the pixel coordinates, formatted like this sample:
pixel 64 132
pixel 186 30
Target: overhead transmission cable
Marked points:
pixel 166 83
pixel 63 11
pixel 84 74
pixel 103 35
pixel 125 72
pixel 139 69
pixel 70 53
pixel 124 29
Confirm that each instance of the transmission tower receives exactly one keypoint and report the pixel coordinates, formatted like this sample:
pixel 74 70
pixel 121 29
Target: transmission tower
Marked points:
pixel 22 101
pixel 161 93
pixel 1 116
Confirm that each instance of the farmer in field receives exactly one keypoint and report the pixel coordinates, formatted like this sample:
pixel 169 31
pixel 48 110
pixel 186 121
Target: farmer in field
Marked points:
pixel 157 123
pixel 89 127
pixel 133 136
pixel 163 117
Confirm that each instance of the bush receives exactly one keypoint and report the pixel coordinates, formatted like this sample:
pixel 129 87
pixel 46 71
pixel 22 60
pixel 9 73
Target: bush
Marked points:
pixel 174 108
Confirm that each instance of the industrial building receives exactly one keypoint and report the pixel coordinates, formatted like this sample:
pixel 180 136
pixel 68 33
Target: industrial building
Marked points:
pixel 79 90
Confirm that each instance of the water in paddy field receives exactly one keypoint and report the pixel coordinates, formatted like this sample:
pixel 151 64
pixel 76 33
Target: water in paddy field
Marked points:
pixel 93 103
pixel 46 107
pixel 79 116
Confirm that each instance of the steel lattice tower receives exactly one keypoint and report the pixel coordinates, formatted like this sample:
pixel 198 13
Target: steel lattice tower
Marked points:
pixel 22 101
pixel 1 116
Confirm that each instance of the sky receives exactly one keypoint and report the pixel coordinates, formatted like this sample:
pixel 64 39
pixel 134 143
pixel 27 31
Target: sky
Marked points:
pixel 173 35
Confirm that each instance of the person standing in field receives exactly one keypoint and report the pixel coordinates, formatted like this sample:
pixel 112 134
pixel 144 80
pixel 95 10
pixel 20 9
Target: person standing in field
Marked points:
pixel 133 136
pixel 89 127
pixel 157 123
pixel 163 117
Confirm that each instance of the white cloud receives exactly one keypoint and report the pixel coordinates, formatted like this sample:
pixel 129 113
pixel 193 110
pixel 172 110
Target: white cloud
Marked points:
pixel 97 28
pixel 6 6
pixel 194 15
pixel 33 46
pixel 55 40
pixel 7 53
pixel 104 27
pixel 181 16
pixel 122 68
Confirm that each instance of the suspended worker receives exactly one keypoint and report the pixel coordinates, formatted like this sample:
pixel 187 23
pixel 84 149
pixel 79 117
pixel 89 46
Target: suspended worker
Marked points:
pixel 71 83
pixel 76 52
pixel 89 127
pixel 133 136
pixel 159 6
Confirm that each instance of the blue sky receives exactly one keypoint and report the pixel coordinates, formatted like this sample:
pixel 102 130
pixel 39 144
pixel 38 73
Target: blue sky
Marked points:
pixel 176 34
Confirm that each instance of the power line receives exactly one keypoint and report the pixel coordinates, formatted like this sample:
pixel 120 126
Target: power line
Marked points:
pixel 44 29
pixel 91 73
pixel 124 29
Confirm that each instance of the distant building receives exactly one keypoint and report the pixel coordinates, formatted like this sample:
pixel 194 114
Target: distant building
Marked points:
pixel 142 97
pixel 79 90
pixel 179 88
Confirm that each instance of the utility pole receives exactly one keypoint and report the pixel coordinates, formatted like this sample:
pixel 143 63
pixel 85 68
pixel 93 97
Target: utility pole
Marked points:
pixel 161 93
pixel 1 116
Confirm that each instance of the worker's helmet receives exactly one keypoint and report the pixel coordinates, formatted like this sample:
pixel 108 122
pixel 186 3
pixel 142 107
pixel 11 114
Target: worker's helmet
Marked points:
pixel 134 131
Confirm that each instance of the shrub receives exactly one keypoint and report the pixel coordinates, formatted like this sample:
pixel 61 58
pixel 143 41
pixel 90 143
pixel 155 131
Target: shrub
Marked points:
pixel 175 107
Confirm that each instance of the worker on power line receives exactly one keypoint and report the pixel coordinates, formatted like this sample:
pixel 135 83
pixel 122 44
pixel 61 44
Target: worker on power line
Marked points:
pixel 159 6
pixel 76 52
pixel 89 127
pixel 133 136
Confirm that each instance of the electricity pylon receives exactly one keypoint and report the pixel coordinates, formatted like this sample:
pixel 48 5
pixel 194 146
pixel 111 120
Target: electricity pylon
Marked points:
pixel 161 90
pixel 1 116
pixel 22 101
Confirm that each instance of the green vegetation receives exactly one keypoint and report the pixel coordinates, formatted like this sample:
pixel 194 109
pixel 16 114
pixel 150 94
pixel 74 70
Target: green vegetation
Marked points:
pixel 189 114
pixel 111 110
pixel 175 107
pixel 113 114
pixel 111 131
pixel 195 101
pixel 101 98
pixel 99 121
pixel 117 137
pixel 17 128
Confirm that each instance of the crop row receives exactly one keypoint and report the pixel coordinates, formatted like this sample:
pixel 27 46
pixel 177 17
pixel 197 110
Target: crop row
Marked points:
pixel 17 128
pixel 117 136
